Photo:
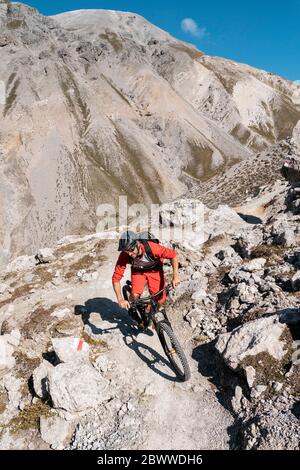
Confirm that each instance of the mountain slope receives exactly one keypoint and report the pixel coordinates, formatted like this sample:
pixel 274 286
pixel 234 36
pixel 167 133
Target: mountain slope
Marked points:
pixel 256 107
pixel 97 106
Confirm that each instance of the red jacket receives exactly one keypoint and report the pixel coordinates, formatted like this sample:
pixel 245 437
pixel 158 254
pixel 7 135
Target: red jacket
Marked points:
pixel 158 251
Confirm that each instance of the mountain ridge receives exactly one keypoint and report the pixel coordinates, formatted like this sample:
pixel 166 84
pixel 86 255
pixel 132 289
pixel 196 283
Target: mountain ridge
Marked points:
pixel 98 117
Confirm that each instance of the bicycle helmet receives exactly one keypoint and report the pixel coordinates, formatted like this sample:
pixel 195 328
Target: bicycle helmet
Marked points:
pixel 127 241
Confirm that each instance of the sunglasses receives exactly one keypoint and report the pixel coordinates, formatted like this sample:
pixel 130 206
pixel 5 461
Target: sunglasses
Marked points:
pixel 131 249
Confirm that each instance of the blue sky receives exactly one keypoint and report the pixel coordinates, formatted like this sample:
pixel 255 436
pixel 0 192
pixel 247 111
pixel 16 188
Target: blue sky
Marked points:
pixel 265 34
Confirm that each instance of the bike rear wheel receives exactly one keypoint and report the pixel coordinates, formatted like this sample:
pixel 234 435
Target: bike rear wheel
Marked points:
pixel 174 351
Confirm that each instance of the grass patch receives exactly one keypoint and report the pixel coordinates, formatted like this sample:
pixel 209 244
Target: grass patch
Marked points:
pixel 201 339
pixel 270 203
pixel 3 400
pixel 294 381
pixel 29 418
pixel 274 254
pixel 113 86
pixel 43 274
pixel 266 132
pixel 100 245
pixel 201 164
pixel 77 106
pixel 70 248
pixel 68 327
pixel 253 314
pixel 39 322
pixel 10 276
pixel 19 292
pixel 215 280
pixel 83 263
pixel 241 133
pixel 113 39
pixel 133 165
pixel 264 251
pixel 268 369
pixel 98 349
pixel 228 80
pixel 206 247
pixel 15 24
pixel 190 51
pixel 25 365
pixel 12 96
pixel 94 342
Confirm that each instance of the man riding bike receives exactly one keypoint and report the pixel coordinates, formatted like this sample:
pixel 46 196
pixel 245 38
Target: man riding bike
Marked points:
pixel 146 259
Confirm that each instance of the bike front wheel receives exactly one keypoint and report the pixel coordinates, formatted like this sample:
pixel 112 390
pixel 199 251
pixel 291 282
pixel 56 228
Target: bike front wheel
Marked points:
pixel 174 351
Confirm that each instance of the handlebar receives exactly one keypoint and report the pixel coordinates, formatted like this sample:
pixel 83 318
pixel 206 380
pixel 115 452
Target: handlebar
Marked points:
pixel 146 300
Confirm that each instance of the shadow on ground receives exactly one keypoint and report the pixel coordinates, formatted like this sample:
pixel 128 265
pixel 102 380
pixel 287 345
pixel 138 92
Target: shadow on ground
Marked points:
pixel 110 312
pixel 211 366
pixel 250 219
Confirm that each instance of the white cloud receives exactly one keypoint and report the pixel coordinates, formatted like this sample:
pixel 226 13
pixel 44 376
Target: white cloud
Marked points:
pixel 188 25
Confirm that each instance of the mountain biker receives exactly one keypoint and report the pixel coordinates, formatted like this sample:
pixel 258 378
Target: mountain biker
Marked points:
pixel 145 267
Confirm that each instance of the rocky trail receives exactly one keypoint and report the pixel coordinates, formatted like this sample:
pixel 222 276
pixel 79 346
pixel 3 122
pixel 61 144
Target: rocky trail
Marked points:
pixel 95 382
pixel 164 413
pixel 147 406
pixel 103 99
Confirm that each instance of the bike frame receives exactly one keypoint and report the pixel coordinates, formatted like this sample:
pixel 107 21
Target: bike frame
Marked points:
pixel 150 300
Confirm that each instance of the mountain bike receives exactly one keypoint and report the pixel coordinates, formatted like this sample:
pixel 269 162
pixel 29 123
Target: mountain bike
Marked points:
pixel 162 325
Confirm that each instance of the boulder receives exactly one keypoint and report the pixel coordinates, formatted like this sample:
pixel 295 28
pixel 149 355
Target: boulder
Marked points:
pixel 71 349
pixel 257 391
pixel 236 401
pixel 244 246
pixel 77 387
pixel 223 220
pixel 21 263
pixel 195 317
pixel 180 212
pixel 13 385
pixel 250 375
pixel 44 255
pixel 40 379
pixel 8 342
pixel 56 431
pixel 295 281
pixel 61 313
pixel 199 295
pixel 238 275
pixel 262 335
pixel 285 231
pixel 103 364
pixel 247 294
pixel 254 265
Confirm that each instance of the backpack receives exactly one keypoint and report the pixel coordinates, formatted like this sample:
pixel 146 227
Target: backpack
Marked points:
pixel 144 237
